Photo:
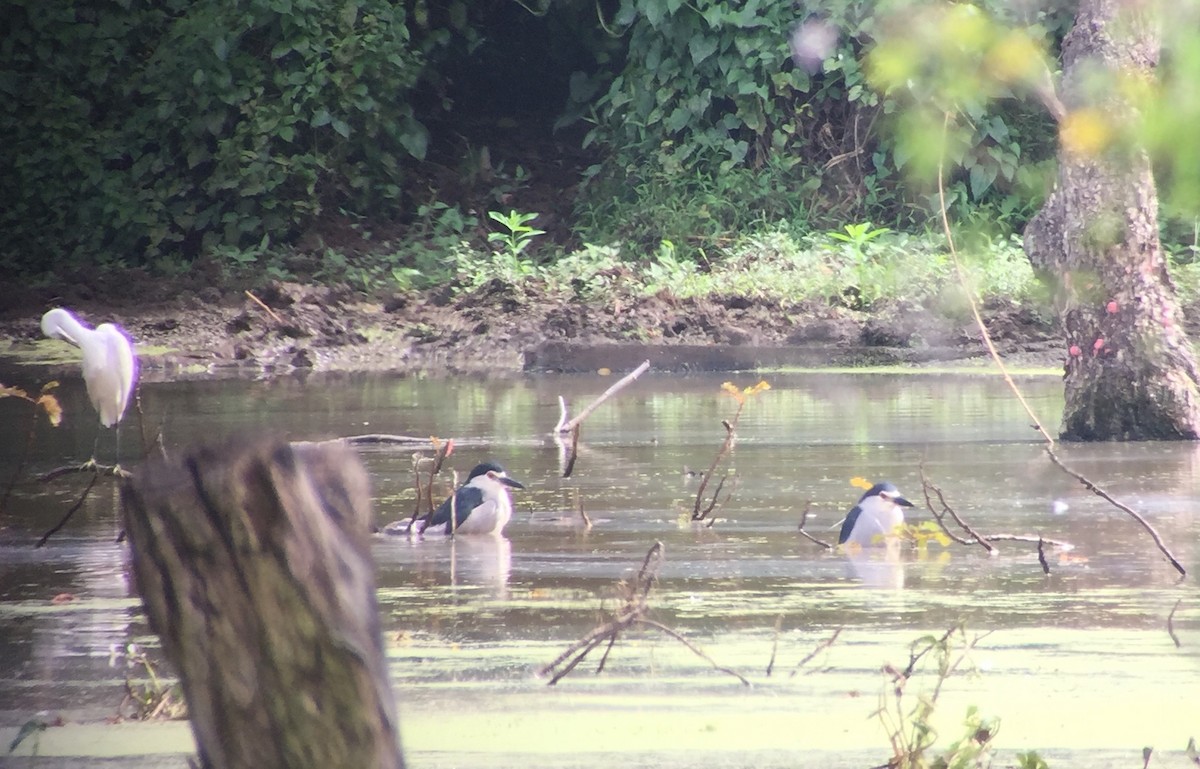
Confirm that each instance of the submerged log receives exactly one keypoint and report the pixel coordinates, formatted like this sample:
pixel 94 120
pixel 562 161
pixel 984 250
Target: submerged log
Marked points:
pixel 253 561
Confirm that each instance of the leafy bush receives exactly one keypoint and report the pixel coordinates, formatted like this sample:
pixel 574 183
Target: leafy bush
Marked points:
pixel 138 129
pixel 709 90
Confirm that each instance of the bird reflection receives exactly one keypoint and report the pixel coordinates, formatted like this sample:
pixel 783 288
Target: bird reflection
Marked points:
pixel 881 568
pixel 484 562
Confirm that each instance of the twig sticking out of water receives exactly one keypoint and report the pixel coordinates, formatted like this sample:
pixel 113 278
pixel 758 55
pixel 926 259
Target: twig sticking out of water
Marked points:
pixel 1171 624
pixel 815 651
pixel 926 487
pixel 742 396
pixel 803 532
pixel 569 465
pixel 1042 556
pixel 1092 487
pixel 74 508
pixel 975 538
pixel 632 612
pixel 567 425
pixel 774 644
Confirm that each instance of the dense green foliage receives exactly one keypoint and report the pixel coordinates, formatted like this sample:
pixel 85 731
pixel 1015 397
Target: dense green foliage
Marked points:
pixel 139 130
pixel 145 134
pixel 711 93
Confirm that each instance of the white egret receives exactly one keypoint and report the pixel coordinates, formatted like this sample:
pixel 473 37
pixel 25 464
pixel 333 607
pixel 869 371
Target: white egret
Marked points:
pixel 109 363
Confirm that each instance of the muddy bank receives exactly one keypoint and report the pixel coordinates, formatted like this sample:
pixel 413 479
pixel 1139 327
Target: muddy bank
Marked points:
pixel 498 327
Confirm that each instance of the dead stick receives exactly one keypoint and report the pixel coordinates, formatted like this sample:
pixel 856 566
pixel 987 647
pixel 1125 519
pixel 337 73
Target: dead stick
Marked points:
pixel 1029 539
pixel 810 537
pixel 1171 624
pixel 1042 556
pixel 74 508
pixel 612 640
pixel 570 425
pixel 1092 487
pixel 695 650
pixel 269 311
pixel 816 650
pixel 1037 424
pixel 570 468
pixel 774 644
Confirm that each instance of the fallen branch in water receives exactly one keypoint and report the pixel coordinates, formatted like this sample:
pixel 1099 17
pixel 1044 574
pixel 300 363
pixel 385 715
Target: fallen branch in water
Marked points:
pixel 632 612
pixel 74 508
pixel 926 487
pixel 569 464
pixel 1092 487
pixel 567 425
pixel 370 438
pixel 1171 624
pixel 804 532
pixel 815 651
pixel 986 336
pixel 983 540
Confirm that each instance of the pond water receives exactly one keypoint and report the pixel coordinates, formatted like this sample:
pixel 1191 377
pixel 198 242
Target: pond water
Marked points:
pixel 1080 664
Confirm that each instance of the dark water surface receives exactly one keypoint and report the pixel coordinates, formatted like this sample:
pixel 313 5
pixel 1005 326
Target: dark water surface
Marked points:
pixel 1078 664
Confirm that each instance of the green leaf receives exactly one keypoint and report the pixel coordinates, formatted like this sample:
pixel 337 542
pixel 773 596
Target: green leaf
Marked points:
pixel 982 177
pixel 342 127
pixel 701 47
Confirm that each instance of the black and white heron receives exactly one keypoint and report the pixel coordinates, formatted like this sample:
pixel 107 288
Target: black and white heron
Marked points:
pixel 874 519
pixel 480 506
pixel 109 365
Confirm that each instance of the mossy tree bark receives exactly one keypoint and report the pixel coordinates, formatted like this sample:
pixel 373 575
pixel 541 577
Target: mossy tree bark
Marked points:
pixel 253 561
pixel 1130 371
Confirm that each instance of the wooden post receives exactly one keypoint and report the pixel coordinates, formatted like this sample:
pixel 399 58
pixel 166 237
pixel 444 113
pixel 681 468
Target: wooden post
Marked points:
pixel 253 560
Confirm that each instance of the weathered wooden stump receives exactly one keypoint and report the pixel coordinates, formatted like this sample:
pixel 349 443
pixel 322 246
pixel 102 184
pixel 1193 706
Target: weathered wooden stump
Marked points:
pixel 253 561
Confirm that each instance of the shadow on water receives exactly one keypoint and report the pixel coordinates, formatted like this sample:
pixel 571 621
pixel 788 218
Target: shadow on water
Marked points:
pixel 1079 664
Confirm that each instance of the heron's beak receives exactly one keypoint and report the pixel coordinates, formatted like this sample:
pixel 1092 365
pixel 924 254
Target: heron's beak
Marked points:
pixel 902 502
pixel 510 482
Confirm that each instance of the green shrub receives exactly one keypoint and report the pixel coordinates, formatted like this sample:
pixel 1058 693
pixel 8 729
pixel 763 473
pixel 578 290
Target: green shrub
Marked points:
pixel 139 129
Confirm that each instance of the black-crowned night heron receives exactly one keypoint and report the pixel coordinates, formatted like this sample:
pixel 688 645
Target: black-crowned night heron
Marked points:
pixel 479 506
pixel 874 519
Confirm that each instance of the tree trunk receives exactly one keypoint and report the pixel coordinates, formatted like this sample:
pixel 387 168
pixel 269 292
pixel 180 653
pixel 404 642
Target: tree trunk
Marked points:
pixel 1130 372
pixel 253 561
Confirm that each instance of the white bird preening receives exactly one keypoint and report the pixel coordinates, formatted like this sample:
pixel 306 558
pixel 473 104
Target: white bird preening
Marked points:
pixel 874 519
pixel 109 364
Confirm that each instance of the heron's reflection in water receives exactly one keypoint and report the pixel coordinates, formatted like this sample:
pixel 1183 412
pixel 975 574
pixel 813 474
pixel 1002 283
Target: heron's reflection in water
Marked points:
pixel 483 562
pixel 877 567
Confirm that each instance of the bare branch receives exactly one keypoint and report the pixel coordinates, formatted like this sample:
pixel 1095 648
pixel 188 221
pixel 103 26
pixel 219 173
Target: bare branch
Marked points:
pixel 1042 556
pixel 74 508
pixel 568 426
pixel 816 650
pixel 803 532
pixel 1171 624
pixel 1092 487
pixel 694 649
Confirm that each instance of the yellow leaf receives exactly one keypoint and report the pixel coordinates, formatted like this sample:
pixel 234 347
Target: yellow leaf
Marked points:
pixel 756 389
pixel 16 392
pixel 861 483
pixel 733 392
pixel 51 385
pixel 1085 132
pixel 52 408
pixel 1015 58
